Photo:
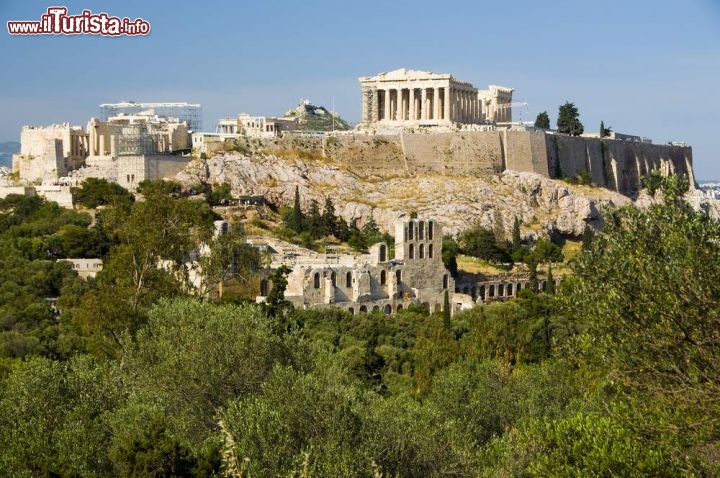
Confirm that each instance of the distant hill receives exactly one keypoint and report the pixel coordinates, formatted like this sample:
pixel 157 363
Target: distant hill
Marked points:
pixel 316 118
pixel 7 149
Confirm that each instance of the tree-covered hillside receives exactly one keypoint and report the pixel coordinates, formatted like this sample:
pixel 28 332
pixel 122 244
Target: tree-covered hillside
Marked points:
pixel 616 374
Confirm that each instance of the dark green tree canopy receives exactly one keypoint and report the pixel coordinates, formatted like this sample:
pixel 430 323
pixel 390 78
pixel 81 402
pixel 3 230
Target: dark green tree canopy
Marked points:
pixel 568 121
pixel 542 120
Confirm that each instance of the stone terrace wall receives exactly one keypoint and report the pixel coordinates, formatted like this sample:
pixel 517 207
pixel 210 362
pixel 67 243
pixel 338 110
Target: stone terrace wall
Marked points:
pixel 462 153
pixel 525 151
pixel 615 164
pixel 476 153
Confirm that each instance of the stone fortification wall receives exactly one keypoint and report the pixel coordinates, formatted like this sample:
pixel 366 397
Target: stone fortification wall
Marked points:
pixel 615 164
pixel 525 151
pixel 461 153
pixel 45 162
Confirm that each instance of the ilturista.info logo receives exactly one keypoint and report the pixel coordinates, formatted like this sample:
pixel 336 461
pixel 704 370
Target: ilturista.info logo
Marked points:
pixel 57 22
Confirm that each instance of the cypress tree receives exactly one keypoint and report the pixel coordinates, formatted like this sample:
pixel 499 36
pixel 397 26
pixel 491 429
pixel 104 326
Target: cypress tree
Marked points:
pixel 550 283
pixel 446 311
pixel 296 219
pixel 516 241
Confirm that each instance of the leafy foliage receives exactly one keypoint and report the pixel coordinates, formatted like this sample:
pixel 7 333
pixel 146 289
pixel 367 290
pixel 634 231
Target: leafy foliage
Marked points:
pixel 96 192
pixel 569 120
pixel 542 120
pixel 646 296
pixel 480 242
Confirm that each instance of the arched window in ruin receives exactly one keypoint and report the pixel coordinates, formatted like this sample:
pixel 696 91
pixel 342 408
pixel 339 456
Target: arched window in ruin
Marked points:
pixel 430 231
pixel 421 230
pixel 333 279
pixel 519 287
pixel 399 308
pixel 491 291
pixel 421 251
pixel 316 280
pixel 501 290
pixel 363 309
pixel 376 309
pixel 383 278
pixel 410 231
pixel 445 281
pixel 387 310
pixel 411 251
pixel 348 280
pixel 510 289
pixel 264 288
pixel 351 310
pixel 482 292
pixel 398 277
pixel 430 251
pixel 473 293
pixel 383 253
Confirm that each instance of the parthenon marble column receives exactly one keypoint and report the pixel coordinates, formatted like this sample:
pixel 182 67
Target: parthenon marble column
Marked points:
pixel 423 104
pixel 446 104
pixel 436 103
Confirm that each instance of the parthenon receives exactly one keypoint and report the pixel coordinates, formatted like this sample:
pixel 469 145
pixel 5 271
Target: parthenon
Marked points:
pixel 422 98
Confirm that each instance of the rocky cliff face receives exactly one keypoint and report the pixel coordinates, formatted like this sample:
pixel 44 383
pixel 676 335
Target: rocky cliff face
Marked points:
pixel 542 205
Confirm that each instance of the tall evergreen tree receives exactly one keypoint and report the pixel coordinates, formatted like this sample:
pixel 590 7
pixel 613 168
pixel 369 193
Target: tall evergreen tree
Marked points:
pixel 328 217
pixel 568 121
pixel 542 120
pixel 602 129
pixel 446 311
pixel 297 221
pixel 313 220
pixel 532 265
pixel 516 240
pixel 550 283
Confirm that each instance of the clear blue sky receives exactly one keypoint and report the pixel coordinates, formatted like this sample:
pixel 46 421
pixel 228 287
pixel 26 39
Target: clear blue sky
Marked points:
pixel 649 67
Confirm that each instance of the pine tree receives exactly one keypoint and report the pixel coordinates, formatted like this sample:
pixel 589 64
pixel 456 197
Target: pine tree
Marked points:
pixel 542 120
pixel 602 129
pixel 568 121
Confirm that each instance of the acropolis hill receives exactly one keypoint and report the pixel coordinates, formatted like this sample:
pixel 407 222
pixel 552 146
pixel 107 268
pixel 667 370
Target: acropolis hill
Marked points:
pixel 415 126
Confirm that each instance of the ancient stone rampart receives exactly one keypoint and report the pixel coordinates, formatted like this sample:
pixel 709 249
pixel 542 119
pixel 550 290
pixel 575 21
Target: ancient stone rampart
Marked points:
pixel 615 164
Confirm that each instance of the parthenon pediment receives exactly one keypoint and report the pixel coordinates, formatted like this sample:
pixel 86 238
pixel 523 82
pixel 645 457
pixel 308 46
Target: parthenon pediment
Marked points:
pixel 403 74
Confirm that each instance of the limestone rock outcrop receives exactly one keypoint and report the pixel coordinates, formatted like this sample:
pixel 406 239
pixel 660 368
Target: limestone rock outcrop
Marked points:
pixel 542 205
